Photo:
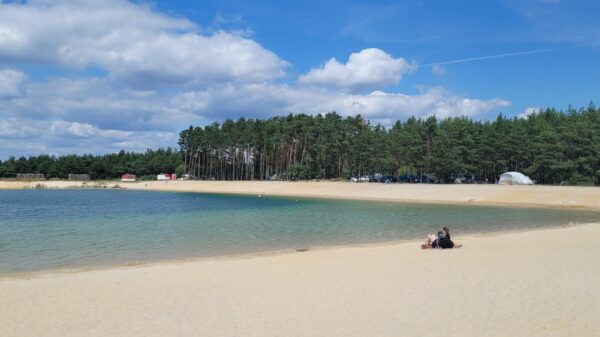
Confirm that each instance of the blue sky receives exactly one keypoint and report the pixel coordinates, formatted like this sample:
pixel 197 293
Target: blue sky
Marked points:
pixel 98 76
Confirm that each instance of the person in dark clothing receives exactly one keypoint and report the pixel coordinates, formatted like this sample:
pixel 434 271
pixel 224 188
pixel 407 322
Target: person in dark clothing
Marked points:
pixel 445 243
pixel 442 242
pixel 447 231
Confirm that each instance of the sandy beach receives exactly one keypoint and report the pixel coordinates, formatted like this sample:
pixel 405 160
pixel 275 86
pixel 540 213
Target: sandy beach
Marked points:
pixel 571 197
pixel 535 283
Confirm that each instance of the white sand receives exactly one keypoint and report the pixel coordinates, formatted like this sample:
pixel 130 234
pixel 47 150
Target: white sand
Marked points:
pixel 530 196
pixel 541 283
pixel 537 283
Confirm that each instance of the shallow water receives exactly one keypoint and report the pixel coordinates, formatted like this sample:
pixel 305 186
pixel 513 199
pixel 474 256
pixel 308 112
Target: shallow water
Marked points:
pixel 46 229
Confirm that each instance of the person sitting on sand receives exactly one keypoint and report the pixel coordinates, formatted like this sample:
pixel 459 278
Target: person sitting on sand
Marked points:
pixel 442 241
pixel 429 241
pixel 447 232
pixel 447 235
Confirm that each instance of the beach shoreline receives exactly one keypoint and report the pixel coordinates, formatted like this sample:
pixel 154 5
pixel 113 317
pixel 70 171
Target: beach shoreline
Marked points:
pixel 536 196
pixel 535 282
pixel 416 243
pixel 263 253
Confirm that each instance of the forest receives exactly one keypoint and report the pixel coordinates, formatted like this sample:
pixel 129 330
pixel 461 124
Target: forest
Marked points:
pixel 552 147
pixel 108 166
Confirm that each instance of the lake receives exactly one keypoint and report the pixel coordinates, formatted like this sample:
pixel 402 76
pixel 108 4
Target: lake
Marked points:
pixel 49 229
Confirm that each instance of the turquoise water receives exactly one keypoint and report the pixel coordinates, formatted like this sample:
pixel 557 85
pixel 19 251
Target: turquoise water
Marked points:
pixel 46 229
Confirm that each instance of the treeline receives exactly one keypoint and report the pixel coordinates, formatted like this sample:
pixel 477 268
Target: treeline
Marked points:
pixel 107 166
pixel 552 147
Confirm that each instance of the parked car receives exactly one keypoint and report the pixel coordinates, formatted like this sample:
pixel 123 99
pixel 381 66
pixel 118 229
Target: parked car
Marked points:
pixel 468 179
pixel 429 179
pixel 408 178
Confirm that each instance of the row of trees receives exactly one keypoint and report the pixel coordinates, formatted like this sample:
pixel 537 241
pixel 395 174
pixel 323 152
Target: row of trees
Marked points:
pixel 107 166
pixel 552 147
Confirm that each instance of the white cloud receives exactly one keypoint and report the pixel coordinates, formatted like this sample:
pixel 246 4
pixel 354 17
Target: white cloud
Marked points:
pixel 369 69
pixel 132 42
pixel 99 102
pixel 18 128
pixel 12 83
pixel 31 137
pixel 91 115
pixel 213 77
pixel 529 111
pixel 263 100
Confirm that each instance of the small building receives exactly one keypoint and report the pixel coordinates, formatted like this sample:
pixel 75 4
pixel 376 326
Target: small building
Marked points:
pixel 80 177
pixel 30 176
pixel 166 176
pixel 128 177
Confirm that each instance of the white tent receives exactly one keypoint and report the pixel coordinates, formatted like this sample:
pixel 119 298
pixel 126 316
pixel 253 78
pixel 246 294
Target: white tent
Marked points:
pixel 514 178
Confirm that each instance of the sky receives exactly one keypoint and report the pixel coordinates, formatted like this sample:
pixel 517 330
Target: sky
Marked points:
pixel 100 76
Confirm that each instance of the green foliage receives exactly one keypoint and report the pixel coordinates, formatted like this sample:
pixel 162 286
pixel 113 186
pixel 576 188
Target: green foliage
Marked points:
pixel 552 147
pixel 406 171
pixel 109 166
pixel 299 172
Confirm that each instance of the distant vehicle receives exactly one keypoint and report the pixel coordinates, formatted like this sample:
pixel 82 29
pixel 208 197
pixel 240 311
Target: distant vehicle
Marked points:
pixel 187 177
pixel 365 179
pixel 353 179
pixel 468 179
pixel 380 178
pixel 128 177
pixel 429 179
pixel 408 178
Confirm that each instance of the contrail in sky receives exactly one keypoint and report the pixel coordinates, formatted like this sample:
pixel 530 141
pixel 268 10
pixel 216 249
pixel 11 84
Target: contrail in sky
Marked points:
pixel 489 57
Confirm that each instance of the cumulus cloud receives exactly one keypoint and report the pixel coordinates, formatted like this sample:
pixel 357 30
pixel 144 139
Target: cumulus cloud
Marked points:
pixel 159 74
pixel 132 42
pixel 32 137
pixel 12 83
pixel 263 100
pixel 17 128
pixel 529 111
pixel 98 101
pixel 369 69
pixel 90 115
